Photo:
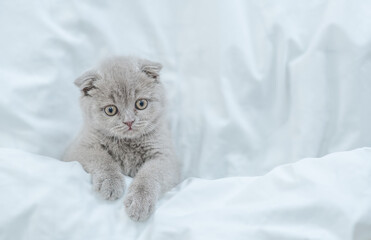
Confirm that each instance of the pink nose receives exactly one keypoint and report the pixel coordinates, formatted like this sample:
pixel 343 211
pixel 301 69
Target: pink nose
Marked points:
pixel 129 124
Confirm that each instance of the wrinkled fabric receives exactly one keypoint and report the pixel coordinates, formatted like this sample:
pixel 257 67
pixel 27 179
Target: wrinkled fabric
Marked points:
pixel 250 84
pixel 253 87
pixel 316 198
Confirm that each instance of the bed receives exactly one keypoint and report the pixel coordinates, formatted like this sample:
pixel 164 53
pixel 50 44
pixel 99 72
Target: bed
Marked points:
pixel 268 103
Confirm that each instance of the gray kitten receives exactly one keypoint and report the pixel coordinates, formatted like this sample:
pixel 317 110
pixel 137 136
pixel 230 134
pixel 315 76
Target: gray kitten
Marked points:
pixel 125 133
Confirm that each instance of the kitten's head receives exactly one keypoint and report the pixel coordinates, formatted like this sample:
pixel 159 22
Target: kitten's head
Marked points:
pixel 122 97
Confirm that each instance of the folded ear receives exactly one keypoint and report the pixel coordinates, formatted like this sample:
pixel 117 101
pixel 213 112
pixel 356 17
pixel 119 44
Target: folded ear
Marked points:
pixel 86 81
pixel 151 69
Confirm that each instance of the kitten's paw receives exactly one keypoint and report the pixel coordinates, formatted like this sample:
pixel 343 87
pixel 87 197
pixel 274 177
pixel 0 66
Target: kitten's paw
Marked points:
pixel 110 187
pixel 140 203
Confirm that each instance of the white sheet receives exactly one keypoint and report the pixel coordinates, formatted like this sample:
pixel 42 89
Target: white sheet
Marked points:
pixel 326 198
pixel 251 84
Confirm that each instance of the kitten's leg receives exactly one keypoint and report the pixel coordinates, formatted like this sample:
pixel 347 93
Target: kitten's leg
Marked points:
pixel 106 174
pixel 154 178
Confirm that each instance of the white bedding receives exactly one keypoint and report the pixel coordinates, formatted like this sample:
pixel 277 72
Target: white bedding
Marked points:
pixel 318 198
pixel 252 86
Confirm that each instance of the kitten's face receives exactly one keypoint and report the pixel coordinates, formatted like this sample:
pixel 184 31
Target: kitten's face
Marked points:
pixel 123 97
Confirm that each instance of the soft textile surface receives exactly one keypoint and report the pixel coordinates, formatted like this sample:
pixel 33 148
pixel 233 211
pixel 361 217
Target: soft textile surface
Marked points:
pixel 326 198
pixel 251 84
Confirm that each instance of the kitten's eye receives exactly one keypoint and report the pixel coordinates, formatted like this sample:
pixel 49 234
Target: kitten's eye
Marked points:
pixel 141 104
pixel 110 110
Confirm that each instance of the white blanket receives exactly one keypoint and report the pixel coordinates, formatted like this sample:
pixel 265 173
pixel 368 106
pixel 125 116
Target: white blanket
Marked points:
pixel 251 85
pixel 325 198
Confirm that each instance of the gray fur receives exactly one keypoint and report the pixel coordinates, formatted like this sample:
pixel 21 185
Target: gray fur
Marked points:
pixel 106 147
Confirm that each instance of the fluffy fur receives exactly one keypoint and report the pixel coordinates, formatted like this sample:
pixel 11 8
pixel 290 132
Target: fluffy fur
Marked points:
pixel 107 148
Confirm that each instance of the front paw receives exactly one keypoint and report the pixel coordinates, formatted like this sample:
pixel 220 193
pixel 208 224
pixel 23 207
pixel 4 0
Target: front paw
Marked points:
pixel 109 186
pixel 140 203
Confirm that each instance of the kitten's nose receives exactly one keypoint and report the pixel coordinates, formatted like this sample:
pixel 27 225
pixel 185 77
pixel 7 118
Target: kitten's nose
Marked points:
pixel 129 124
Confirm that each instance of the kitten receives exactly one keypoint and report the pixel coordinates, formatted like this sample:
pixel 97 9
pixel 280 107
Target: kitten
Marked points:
pixel 125 133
